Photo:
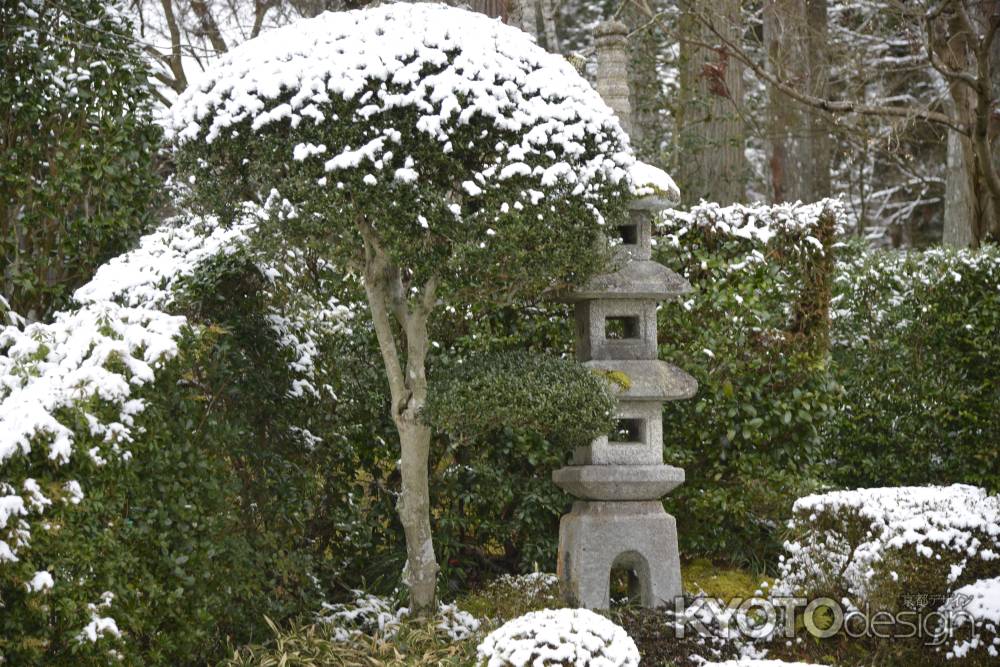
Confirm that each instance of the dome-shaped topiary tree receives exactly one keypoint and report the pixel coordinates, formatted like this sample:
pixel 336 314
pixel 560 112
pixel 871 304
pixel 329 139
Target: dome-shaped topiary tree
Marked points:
pixel 438 154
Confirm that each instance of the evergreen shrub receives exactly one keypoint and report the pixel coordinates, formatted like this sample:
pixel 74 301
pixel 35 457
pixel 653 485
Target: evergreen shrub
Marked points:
pixel 754 334
pixel 916 349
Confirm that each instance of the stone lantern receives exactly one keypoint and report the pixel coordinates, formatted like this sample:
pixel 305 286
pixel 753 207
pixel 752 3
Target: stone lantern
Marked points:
pixel 618 521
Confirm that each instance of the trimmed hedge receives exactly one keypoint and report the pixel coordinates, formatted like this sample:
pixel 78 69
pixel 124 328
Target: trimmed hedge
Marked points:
pixel 915 346
pixel 754 334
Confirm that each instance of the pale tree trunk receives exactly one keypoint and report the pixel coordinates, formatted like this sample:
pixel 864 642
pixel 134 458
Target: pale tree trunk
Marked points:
pixel 711 163
pixel 549 9
pixel 959 194
pixel 527 13
pixel 817 22
pixel 390 301
pixel 971 209
pixel 795 35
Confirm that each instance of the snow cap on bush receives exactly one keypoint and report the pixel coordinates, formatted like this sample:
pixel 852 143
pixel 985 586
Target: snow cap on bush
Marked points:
pixel 875 544
pixel 480 67
pixel 552 637
pixel 757 223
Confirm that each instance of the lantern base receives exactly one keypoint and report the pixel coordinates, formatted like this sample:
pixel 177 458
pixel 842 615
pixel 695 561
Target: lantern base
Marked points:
pixel 596 538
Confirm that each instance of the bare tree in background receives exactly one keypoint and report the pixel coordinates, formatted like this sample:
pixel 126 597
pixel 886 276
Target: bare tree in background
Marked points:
pixel 183 37
pixel 958 38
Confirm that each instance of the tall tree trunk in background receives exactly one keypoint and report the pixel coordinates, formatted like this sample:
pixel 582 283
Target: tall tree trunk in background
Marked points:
pixel 959 193
pixel 524 15
pixel 994 132
pixel 645 87
pixel 820 140
pixel 711 134
pixel 970 213
pixel 795 36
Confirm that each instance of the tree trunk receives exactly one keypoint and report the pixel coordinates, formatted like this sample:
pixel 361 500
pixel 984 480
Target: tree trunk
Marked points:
pixel 413 507
pixel 795 35
pixel 389 298
pixel 971 214
pixel 646 98
pixel 711 135
pixel 527 12
pixel 959 197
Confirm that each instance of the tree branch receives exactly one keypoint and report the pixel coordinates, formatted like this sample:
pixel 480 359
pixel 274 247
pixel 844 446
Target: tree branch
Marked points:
pixel 824 104
pixel 175 62
pixel 208 24
pixel 376 289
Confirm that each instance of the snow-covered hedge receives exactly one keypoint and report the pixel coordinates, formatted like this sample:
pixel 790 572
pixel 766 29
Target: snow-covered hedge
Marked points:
pixel 915 348
pixel 752 332
pixel 758 224
pixel 559 637
pixel 977 633
pixel 79 396
pixel 874 546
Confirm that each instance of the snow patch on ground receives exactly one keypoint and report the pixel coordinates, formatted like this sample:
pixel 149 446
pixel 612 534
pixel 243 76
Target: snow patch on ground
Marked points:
pixel 377 616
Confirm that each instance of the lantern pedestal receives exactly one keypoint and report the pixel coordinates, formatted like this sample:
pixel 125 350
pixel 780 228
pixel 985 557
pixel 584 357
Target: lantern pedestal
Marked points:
pixel 598 537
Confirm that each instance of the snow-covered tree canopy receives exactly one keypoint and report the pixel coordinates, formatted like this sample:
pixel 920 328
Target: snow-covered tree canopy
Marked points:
pixel 462 146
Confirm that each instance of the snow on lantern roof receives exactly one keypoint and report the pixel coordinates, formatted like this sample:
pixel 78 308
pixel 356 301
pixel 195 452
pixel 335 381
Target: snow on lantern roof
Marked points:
pixel 652 187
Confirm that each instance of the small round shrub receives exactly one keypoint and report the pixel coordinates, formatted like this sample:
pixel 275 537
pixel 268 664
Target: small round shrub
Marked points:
pixel 559 637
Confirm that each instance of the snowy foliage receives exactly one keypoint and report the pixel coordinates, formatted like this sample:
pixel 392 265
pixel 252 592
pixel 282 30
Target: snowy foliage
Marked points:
pixel 758 224
pixel 890 288
pixel 868 543
pixel 981 599
pixel 77 136
pixel 481 67
pixel 379 617
pixel 77 378
pixel 455 138
pixel 559 637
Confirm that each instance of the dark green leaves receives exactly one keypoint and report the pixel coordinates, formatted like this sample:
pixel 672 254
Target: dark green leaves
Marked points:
pixel 486 395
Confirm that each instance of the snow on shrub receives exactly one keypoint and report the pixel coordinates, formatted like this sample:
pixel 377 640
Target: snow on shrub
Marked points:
pixel 873 546
pixel 915 347
pixel 977 630
pixel 751 662
pixel 69 389
pixel 753 334
pixel 446 65
pixel 893 287
pixel 757 224
pixel 558 637
pixel 377 616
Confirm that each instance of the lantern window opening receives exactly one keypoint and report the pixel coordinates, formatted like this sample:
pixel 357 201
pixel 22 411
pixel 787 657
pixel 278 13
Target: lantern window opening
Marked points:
pixel 628 430
pixel 622 327
pixel 629 234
